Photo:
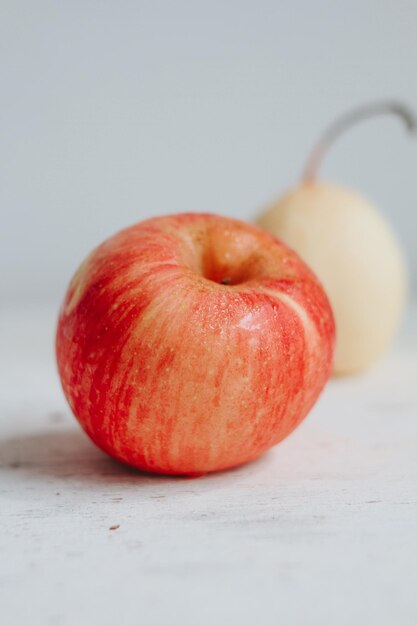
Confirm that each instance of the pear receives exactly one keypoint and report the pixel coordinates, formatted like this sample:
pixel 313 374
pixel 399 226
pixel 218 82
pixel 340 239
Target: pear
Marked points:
pixel 352 250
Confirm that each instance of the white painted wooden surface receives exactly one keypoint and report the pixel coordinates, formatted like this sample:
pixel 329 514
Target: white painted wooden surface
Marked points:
pixel 321 531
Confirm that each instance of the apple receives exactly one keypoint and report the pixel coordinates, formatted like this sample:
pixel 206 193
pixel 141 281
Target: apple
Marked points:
pixel 192 343
pixel 351 248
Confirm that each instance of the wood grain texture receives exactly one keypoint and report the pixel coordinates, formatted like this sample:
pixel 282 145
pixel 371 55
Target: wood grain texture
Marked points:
pixel 322 530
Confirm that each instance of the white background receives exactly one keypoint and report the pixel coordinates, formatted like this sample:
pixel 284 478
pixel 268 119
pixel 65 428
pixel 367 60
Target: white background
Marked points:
pixel 115 111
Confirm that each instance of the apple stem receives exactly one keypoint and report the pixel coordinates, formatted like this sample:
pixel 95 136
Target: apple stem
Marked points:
pixel 350 119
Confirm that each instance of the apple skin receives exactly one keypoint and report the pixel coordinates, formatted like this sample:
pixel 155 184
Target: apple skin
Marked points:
pixel 171 371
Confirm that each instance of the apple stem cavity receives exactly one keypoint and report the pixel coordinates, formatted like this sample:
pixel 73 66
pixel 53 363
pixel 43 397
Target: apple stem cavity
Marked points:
pixel 349 119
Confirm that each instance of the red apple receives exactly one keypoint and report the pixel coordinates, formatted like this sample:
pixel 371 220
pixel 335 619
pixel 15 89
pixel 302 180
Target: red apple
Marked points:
pixel 192 343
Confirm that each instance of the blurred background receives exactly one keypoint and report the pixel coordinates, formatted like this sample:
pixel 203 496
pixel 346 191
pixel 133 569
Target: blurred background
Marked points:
pixel 116 111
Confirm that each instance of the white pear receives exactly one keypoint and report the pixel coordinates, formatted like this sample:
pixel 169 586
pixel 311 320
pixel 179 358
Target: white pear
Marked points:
pixel 352 250
pixel 354 253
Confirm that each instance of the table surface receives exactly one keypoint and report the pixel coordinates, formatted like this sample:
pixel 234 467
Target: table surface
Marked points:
pixel 321 531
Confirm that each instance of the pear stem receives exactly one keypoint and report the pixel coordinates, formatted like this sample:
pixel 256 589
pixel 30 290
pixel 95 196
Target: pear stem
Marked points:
pixel 350 119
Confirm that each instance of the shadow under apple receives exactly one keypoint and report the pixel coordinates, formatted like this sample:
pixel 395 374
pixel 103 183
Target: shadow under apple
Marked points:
pixel 65 455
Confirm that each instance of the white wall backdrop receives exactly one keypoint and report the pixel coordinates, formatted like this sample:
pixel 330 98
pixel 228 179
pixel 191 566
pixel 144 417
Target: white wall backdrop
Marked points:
pixel 115 111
